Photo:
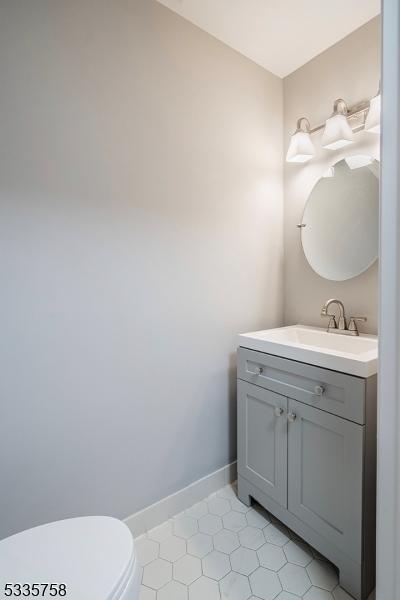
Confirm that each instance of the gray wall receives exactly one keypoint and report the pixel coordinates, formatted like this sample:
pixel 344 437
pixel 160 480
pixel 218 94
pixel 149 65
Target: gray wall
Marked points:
pixel 349 70
pixel 140 229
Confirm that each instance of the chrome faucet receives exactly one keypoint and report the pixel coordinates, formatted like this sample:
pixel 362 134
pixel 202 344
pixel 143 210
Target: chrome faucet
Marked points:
pixel 340 326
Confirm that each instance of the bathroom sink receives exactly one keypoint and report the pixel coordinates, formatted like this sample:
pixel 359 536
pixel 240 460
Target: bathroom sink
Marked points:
pixel 355 355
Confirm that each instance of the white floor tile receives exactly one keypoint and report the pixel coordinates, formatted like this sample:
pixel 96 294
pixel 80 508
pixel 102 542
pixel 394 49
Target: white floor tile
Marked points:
pixel 147 594
pixel 265 584
pixel 276 534
pixel 226 541
pixel 173 591
pixel 197 510
pixel 187 569
pixel 147 550
pixel 204 588
pixel 298 553
pixel 244 561
pixel 234 521
pixel 218 506
pixel 294 579
pixel 251 537
pixel 210 524
pixel 206 553
pixel 216 565
pixel 160 533
pixel 239 506
pixel 185 526
pixel 172 548
pixel 235 587
pixel 157 574
pixel 323 575
pixel 272 557
pixel 200 545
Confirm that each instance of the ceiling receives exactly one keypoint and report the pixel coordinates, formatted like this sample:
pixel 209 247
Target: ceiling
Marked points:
pixel 279 35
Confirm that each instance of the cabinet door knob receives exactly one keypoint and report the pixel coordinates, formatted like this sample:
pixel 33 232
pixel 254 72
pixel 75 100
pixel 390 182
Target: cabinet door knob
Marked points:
pixel 258 370
pixel 278 411
pixel 291 417
pixel 319 390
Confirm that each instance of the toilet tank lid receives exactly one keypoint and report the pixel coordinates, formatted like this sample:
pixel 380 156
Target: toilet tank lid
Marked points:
pixel 91 555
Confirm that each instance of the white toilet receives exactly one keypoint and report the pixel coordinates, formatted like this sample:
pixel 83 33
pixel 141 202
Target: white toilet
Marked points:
pixel 93 556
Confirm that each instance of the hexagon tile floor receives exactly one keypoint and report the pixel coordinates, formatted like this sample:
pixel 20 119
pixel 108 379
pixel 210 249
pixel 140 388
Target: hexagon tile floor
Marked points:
pixel 219 549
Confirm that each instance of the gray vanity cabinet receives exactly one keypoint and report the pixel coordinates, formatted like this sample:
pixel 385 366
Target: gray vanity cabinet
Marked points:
pixel 325 475
pixel 307 453
pixel 263 448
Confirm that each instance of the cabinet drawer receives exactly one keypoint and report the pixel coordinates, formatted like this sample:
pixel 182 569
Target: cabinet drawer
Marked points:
pixel 340 394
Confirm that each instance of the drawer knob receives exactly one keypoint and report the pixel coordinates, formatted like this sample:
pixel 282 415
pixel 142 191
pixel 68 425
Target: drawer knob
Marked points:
pixel 258 370
pixel 291 417
pixel 278 411
pixel 319 390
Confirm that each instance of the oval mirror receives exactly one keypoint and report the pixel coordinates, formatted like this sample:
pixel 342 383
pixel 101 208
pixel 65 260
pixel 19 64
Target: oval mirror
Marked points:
pixel 340 226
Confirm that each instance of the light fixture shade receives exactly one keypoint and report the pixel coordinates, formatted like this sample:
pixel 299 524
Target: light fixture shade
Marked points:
pixel 301 148
pixel 373 120
pixel 337 133
pixel 358 160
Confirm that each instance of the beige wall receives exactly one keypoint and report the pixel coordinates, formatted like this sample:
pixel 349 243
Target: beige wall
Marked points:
pixel 141 228
pixel 348 70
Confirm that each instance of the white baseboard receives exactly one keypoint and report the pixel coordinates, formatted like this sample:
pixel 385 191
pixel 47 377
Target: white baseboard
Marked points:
pixel 170 506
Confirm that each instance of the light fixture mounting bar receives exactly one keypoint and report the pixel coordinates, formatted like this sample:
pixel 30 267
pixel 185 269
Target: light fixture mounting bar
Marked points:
pixel 352 112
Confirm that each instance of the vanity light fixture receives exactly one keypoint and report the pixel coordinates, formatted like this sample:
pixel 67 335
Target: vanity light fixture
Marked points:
pixel 373 120
pixel 301 148
pixel 337 132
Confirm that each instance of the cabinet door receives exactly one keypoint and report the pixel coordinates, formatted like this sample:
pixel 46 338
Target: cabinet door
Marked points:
pixel 262 440
pixel 325 472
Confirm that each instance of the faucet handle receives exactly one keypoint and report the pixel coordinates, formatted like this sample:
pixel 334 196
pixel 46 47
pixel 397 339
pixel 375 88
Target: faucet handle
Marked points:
pixel 332 320
pixel 353 324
